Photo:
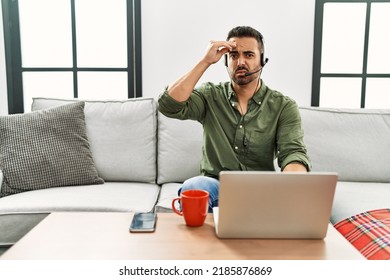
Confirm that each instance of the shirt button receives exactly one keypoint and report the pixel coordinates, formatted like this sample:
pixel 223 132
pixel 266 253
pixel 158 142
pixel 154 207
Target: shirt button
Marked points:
pixel 236 147
pixel 240 126
pixel 259 102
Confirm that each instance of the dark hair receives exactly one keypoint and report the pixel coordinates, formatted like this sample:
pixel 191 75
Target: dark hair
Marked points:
pixel 246 31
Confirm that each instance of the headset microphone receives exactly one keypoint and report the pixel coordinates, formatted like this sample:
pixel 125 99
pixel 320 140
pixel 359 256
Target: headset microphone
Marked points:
pixel 251 73
pixel 254 72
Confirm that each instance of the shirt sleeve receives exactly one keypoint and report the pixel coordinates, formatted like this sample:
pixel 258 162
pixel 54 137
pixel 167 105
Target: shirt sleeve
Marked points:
pixel 193 108
pixel 291 147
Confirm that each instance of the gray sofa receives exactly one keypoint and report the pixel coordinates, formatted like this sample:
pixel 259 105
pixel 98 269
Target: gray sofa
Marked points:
pixel 143 157
pixel 356 144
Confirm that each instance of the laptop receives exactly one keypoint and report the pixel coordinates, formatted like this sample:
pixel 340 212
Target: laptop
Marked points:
pixel 275 205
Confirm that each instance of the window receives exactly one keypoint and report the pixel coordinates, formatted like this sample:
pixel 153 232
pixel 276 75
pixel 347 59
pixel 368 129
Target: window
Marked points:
pixel 351 65
pixel 87 49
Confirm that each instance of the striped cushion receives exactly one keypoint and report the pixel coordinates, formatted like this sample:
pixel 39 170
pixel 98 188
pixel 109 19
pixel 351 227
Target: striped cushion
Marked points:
pixel 47 148
pixel 369 232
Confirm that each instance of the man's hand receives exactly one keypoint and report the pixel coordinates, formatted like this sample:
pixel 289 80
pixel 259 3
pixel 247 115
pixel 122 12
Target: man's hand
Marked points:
pixel 295 167
pixel 182 88
pixel 216 50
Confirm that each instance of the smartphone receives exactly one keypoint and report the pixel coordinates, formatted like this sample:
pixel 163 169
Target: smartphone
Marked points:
pixel 143 222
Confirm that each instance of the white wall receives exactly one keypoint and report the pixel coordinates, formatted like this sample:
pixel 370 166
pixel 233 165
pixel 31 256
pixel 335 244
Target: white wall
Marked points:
pixel 3 76
pixel 175 34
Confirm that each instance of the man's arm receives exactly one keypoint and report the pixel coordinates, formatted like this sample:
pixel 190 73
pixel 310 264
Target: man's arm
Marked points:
pixel 181 89
pixel 292 150
pixel 295 167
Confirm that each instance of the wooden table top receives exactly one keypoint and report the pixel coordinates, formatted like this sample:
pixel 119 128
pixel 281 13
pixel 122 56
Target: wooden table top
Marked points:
pixel 106 236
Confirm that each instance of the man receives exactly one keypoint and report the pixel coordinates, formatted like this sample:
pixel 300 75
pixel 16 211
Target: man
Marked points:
pixel 246 124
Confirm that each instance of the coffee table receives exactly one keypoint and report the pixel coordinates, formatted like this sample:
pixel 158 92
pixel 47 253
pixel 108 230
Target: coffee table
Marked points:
pixel 97 235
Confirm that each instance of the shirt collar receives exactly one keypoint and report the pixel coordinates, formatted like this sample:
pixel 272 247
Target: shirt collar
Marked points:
pixel 258 97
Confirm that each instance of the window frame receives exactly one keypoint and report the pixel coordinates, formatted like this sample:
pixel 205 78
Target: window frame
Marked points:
pixel 14 69
pixel 317 52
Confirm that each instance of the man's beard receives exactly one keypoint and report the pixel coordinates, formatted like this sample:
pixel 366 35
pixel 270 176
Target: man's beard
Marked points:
pixel 242 79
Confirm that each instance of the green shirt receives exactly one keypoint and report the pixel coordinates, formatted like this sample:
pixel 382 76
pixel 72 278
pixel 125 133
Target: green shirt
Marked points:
pixel 271 128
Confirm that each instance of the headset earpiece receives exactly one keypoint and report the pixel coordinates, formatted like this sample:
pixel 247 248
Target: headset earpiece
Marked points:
pixel 262 61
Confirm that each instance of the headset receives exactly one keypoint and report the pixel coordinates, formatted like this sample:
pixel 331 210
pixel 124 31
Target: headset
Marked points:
pixel 263 59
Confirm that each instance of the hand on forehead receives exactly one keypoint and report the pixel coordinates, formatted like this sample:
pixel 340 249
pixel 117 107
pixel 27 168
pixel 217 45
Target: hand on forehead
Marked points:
pixel 244 44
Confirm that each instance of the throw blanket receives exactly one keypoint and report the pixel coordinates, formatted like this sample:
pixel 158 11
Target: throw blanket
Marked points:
pixel 369 232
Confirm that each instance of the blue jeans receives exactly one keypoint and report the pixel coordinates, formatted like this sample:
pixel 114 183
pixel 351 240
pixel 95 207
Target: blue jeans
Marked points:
pixel 209 184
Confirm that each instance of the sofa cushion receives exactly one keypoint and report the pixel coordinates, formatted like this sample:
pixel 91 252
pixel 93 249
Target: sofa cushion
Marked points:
pixel 44 149
pixel 351 142
pixel 122 135
pixel 352 198
pixel 167 194
pixel 179 149
pixel 109 197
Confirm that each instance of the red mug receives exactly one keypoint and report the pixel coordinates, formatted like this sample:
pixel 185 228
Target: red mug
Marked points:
pixel 194 205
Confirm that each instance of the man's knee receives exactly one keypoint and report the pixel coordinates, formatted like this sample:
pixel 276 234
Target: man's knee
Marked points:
pixel 191 184
pixel 199 183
